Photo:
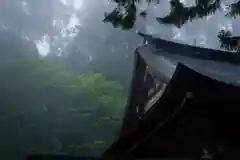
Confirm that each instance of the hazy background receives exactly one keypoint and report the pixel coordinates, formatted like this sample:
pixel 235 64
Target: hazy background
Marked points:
pixel 65 74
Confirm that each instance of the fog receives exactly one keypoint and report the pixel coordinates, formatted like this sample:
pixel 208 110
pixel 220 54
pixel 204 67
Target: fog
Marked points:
pixel 65 74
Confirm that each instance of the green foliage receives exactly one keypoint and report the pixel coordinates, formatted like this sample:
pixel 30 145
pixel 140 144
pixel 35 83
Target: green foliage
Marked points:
pixel 39 97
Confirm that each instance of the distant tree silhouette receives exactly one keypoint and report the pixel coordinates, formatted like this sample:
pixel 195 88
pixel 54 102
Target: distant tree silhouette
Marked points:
pixel 124 16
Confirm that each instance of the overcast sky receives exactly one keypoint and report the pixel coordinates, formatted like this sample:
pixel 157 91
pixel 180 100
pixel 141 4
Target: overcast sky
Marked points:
pixel 43 46
pixel 203 31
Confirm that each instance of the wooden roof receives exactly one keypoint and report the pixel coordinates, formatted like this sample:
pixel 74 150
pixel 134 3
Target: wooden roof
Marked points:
pixel 165 130
pixel 192 51
pixel 163 61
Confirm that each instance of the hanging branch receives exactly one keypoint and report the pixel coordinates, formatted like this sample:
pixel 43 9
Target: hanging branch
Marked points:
pixel 124 16
pixel 234 10
pixel 228 41
pixel 179 14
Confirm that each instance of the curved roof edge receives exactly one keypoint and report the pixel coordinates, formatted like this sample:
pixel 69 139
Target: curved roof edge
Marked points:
pixel 188 50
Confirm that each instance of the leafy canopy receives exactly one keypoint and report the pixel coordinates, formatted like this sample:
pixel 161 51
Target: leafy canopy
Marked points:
pixel 71 111
pixel 124 16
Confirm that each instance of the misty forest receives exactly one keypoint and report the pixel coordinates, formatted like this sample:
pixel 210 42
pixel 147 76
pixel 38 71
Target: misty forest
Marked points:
pixel 66 65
